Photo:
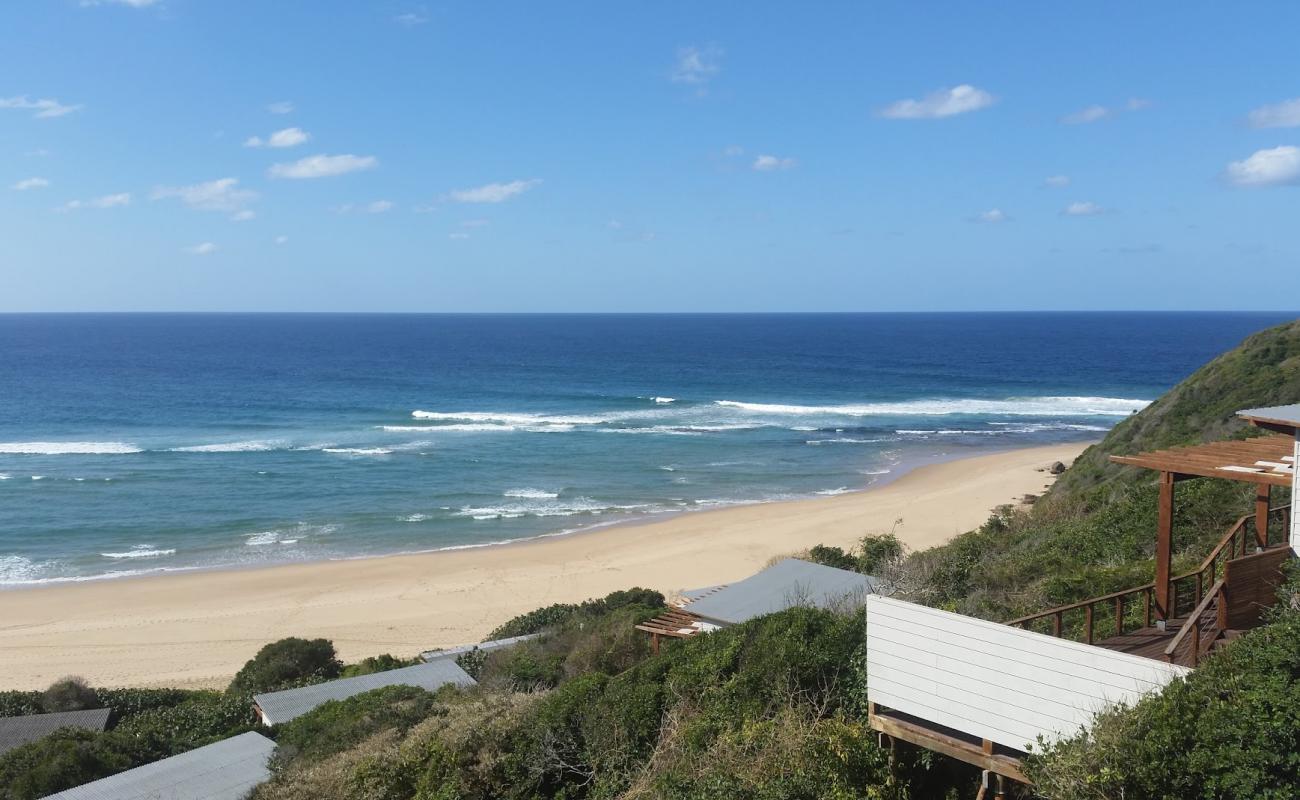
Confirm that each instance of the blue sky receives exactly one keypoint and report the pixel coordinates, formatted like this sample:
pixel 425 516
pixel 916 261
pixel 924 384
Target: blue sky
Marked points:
pixel 669 156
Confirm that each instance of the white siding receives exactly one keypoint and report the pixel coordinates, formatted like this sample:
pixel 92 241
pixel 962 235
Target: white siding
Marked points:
pixel 1295 497
pixel 993 681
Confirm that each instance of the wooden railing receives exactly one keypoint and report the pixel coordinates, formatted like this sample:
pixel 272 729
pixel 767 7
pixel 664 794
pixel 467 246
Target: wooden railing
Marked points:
pixel 1120 606
pixel 1199 623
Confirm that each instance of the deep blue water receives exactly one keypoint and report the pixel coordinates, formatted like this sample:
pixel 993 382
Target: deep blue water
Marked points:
pixel 144 442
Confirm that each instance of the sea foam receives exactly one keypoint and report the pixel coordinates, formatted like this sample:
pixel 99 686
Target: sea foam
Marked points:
pixel 141 551
pixel 1044 406
pixel 67 448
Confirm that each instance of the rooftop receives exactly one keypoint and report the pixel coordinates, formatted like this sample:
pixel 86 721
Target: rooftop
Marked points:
pixel 1276 416
pixel 226 770
pixel 1263 459
pixel 788 583
pixel 282 706
pixel 17 731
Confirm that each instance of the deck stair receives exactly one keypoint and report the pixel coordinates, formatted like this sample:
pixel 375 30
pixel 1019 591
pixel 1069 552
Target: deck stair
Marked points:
pixel 1225 595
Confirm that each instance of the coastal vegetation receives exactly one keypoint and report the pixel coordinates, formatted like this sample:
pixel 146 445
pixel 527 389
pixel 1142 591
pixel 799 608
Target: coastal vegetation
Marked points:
pixel 773 708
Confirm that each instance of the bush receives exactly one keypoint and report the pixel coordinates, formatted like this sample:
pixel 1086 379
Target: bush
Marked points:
pixel 66 758
pixel 148 729
pixel 69 694
pixel 551 616
pixel 340 724
pixel 286 663
pixel 1230 729
pixel 373 664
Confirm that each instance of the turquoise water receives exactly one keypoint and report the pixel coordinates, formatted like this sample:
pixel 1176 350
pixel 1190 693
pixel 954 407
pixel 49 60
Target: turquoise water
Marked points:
pixel 141 443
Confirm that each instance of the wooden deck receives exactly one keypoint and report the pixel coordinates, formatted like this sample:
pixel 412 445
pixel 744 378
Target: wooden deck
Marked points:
pixel 1146 642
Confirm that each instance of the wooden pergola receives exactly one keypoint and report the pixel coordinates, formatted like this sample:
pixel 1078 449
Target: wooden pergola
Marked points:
pixel 1265 461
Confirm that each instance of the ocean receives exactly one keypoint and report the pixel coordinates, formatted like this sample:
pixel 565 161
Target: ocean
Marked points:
pixel 139 443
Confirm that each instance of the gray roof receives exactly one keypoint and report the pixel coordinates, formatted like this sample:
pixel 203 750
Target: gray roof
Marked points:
pixel 15 731
pixel 1287 415
pixel 788 583
pixel 278 707
pixel 495 644
pixel 226 770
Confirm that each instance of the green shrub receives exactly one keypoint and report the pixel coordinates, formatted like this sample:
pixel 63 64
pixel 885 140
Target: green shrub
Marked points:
pixel 381 663
pixel 69 694
pixel 340 724
pixel 14 703
pixel 66 758
pixel 288 662
pixel 551 616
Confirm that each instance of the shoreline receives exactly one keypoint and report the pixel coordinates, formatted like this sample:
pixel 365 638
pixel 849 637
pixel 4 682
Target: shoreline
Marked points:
pixel 162 629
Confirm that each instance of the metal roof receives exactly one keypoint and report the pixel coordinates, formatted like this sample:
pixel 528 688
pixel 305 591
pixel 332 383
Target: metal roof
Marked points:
pixel 15 731
pixel 278 707
pixel 789 583
pixel 484 647
pixel 226 770
pixel 1285 416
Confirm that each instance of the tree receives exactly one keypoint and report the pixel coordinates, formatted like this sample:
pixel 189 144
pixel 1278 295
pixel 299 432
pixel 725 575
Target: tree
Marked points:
pixel 288 662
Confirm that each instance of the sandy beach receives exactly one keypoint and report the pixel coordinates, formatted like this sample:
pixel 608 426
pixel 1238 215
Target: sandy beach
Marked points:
pixel 196 629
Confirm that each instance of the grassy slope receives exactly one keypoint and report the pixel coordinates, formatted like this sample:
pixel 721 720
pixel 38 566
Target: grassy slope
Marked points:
pixel 1263 371
pixel 1094 531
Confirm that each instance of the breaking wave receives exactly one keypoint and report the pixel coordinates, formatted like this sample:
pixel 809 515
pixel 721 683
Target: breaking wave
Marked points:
pixel 1047 406
pixel 67 448
pixel 141 551
pixel 253 446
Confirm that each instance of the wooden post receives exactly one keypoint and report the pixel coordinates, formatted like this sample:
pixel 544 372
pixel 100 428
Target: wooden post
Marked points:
pixel 1087 624
pixel 1164 546
pixel 1119 615
pixel 1261 514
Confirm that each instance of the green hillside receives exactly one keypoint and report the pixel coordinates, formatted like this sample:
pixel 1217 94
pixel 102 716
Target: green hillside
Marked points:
pixel 1263 371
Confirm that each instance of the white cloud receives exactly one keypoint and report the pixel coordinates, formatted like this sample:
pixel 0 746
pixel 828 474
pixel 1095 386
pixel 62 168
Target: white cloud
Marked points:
pixel 45 108
pixel 107 201
pixel 458 235
pixel 222 194
pixel 1096 113
pixel 474 223
pixel 1057 181
pixel 1083 209
pixel 992 216
pixel 767 163
pixel 282 239
pixel 373 207
pixel 322 166
pixel 1275 167
pixel 39 152
pixel 733 151
pixel 202 249
pixel 492 192
pixel 696 65
pixel 242 216
pixel 281 107
pixel 1086 115
pixel 411 19
pixel 289 137
pixel 943 103
pixel 131 3
pixel 1285 114
pixel 30 183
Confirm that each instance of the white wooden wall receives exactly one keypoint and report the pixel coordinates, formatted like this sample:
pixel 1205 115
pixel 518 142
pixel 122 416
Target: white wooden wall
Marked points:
pixel 993 681
pixel 1295 497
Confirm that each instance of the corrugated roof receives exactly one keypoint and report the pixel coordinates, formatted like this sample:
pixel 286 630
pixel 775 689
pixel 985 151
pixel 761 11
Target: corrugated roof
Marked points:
pixel 283 706
pixel 789 583
pixel 484 647
pixel 1286 415
pixel 15 731
pixel 226 770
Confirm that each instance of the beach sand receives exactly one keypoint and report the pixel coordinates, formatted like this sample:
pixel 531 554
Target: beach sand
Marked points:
pixel 196 629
